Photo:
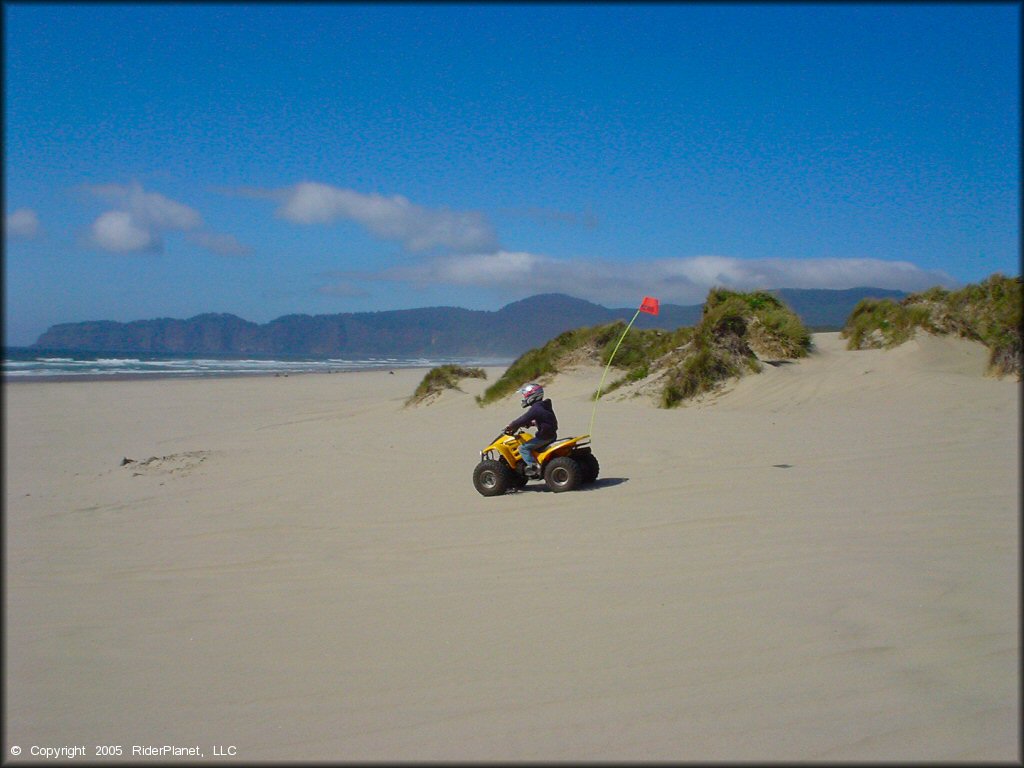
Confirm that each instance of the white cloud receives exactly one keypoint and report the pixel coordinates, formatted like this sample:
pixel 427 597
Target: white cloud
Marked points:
pixel 119 232
pixel 136 224
pixel 834 273
pixel 150 209
pixel 677 280
pixel 22 224
pixel 500 268
pixel 388 218
pixel 141 218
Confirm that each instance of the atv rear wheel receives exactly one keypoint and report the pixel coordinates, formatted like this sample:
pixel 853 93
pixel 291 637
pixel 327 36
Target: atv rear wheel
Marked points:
pixel 588 462
pixel 491 478
pixel 563 474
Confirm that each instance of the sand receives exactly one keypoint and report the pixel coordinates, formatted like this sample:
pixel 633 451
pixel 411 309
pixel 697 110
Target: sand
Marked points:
pixel 822 563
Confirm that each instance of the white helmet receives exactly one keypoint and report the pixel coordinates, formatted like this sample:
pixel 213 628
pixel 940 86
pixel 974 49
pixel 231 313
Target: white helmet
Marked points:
pixel 531 393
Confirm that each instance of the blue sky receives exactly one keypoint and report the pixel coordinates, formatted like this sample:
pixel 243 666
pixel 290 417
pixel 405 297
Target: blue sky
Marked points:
pixel 169 160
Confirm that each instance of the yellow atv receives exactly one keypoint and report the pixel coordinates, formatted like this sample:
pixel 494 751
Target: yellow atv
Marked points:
pixel 565 464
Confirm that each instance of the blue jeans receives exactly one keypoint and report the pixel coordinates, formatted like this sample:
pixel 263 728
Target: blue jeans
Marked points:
pixel 530 448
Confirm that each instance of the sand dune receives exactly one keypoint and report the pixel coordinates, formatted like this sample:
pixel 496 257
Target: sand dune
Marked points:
pixel 822 563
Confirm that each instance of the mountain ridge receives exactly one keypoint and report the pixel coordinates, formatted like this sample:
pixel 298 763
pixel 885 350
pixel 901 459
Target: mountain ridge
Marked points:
pixel 427 331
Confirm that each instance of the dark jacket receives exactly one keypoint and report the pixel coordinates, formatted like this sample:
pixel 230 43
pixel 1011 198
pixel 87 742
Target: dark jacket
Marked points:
pixel 543 415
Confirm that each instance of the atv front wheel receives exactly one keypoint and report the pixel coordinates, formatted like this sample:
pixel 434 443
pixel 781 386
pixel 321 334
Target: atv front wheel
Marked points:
pixel 563 474
pixel 491 478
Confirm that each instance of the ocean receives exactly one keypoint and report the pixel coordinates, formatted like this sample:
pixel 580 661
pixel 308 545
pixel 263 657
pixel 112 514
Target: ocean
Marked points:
pixel 29 364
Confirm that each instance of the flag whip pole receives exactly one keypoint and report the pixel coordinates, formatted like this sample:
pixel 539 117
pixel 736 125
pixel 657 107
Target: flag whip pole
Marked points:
pixel 597 396
pixel 648 305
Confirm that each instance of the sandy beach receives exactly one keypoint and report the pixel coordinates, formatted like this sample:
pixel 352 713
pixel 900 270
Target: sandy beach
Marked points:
pixel 822 563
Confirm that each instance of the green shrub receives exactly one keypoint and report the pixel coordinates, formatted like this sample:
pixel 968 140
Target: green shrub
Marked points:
pixel 989 312
pixel 641 348
pixel 726 316
pixel 636 374
pixel 876 323
pixel 441 378
pixel 732 328
pixel 638 351
pixel 780 332
pixel 701 371
pixel 770 326
pixel 541 363
pixel 754 301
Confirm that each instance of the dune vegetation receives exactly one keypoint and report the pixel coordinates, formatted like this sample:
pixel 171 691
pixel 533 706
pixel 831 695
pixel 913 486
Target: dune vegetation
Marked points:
pixel 443 377
pixel 734 331
pixel 735 328
pixel 989 312
pixel 593 345
pixel 737 331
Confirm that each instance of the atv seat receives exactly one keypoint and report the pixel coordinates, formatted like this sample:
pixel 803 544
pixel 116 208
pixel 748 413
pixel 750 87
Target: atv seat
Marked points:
pixel 580 440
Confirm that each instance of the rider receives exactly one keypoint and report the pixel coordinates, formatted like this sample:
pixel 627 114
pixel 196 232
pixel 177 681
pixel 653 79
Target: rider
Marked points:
pixel 541 413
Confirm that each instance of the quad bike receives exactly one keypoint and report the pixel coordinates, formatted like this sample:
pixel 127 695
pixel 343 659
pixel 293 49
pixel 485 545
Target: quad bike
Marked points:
pixel 565 464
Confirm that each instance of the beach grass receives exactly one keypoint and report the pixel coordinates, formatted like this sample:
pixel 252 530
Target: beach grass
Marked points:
pixel 541 363
pixel 735 328
pixel 441 378
pixel 989 312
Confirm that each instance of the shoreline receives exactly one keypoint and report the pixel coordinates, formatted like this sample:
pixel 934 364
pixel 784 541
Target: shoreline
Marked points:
pixel 126 377
pixel 167 376
pixel 64 366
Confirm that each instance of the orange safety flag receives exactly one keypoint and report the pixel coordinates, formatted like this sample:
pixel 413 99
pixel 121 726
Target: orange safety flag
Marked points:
pixel 649 305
